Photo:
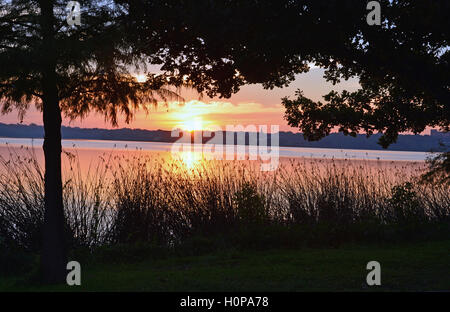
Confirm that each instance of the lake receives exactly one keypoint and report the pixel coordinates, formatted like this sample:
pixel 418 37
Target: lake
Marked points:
pixel 289 152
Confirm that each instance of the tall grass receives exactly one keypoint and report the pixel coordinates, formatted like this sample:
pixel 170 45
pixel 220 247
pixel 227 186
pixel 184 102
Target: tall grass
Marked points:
pixel 137 197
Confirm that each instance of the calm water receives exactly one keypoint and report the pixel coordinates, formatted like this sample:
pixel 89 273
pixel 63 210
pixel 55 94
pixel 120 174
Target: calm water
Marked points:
pixel 321 153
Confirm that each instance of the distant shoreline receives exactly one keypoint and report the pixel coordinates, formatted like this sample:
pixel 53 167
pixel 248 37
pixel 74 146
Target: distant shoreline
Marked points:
pixel 407 143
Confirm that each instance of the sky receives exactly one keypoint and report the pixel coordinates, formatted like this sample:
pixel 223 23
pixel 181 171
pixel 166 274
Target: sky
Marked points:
pixel 252 105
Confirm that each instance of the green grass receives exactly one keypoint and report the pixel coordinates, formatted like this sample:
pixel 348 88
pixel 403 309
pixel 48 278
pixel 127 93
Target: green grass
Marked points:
pixel 406 267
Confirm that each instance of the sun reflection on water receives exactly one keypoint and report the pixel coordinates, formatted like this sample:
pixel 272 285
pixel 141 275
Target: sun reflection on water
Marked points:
pixel 189 160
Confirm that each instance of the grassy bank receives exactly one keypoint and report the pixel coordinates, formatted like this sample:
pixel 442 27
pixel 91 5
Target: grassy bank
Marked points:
pixel 406 267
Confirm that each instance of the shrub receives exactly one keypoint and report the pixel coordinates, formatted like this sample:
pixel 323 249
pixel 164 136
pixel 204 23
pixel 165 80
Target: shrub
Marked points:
pixel 15 260
pixel 405 204
pixel 250 205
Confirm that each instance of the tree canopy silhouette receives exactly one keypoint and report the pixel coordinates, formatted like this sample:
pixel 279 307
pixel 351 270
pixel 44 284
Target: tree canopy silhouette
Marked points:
pixel 404 72
pixel 402 65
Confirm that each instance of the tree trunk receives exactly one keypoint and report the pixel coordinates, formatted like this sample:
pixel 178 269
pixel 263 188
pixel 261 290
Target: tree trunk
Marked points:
pixel 53 259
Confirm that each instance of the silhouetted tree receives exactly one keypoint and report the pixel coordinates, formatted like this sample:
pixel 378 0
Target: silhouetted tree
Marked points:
pixel 403 68
pixel 402 65
pixel 71 70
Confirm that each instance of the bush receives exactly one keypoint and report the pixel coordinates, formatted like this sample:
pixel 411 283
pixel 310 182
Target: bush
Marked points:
pixel 250 205
pixel 405 204
pixel 14 260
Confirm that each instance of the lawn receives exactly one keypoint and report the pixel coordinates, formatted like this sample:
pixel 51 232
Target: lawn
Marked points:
pixel 421 266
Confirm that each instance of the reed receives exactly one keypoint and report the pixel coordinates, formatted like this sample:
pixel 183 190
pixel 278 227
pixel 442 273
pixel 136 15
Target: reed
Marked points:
pixel 141 198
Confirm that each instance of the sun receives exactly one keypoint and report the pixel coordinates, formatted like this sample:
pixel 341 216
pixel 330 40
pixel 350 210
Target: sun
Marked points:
pixel 193 124
pixel 141 78
pixel 191 116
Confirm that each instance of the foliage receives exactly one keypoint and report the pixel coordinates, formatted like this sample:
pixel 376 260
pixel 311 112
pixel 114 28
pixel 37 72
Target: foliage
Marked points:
pixel 438 168
pixel 14 260
pixel 402 67
pixel 405 203
pixel 93 63
pixel 250 205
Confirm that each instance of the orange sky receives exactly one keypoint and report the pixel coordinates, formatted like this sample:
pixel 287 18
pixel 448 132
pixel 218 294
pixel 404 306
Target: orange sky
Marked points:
pixel 251 105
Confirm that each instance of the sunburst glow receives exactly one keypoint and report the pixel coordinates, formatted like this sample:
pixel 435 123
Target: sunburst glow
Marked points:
pixel 141 78
pixel 193 124
pixel 192 116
